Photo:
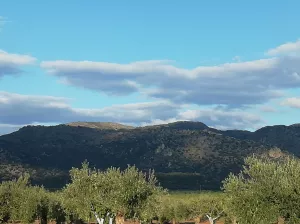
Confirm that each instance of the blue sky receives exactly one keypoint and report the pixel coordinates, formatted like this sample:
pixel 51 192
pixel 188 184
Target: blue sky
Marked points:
pixel 141 63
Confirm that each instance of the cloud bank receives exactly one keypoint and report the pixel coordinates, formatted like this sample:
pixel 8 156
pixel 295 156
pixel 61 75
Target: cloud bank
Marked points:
pixel 18 110
pixel 232 84
pixel 10 64
pixel 220 94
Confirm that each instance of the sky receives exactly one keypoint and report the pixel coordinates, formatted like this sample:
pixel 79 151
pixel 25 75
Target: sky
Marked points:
pixel 229 64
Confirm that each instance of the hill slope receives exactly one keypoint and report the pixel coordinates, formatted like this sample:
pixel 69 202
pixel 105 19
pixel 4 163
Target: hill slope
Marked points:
pixel 100 125
pixel 286 138
pixel 186 155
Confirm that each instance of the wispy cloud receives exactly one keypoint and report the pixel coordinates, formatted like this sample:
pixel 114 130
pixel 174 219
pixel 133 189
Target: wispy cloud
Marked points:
pixel 3 21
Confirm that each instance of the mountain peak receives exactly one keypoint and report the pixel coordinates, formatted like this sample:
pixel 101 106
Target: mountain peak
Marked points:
pixel 190 125
pixel 100 125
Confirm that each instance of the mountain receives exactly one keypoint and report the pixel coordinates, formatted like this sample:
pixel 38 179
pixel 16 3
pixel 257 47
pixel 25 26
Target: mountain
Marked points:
pixel 185 155
pixel 100 125
pixel 287 138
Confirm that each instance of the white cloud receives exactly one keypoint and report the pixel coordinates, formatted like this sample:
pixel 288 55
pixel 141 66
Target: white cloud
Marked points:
pixel 287 48
pixel 293 102
pixel 17 110
pixel 233 84
pixel 160 121
pixel 10 64
pixel 268 109
pixel 224 118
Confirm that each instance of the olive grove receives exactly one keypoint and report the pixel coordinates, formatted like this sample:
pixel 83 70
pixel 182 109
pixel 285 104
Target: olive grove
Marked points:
pixel 265 191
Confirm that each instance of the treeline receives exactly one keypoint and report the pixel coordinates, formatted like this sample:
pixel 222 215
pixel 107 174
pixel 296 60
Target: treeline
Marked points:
pixel 265 191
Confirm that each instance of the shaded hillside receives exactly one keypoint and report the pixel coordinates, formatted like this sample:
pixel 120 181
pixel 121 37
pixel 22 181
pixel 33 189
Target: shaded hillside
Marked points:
pixel 286 138
pixel 181 148
pixel 182 125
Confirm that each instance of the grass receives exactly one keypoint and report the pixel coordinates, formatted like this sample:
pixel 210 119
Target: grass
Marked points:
pixel 193 194
pixel 187 197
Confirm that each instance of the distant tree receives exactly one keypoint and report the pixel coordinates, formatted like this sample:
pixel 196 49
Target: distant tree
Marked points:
pixel 265 190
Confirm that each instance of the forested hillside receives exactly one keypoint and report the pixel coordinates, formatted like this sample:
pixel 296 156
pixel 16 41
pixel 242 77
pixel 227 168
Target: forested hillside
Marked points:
pixel 185 155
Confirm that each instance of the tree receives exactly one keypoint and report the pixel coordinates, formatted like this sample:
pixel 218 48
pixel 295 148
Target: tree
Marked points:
pixel 209 205
pixel 114 192
pixel 134 191
pixel 213 208
pixel 174 209
pixel 265 190
pixel 79 197
pixel 55 208
pixel 5 200
pixel 19 201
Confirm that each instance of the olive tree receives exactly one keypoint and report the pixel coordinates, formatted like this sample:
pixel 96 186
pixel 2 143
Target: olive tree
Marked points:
pixel 174 209
pixel 135 192
pixel 5 202
pixel 80 197
pixel 264 191
pixel 13 196
pixel 197 207
pixel 113 193
pixel 55 209
pixel 206 206
pixel 19 200
pixel 213 207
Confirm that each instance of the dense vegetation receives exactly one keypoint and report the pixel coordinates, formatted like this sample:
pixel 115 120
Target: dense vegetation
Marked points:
pixel 185 155
pixel 265 191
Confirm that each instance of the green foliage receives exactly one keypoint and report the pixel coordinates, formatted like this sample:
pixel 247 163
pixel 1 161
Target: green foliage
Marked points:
pixel 21 201
pixel 18 200
pixel 5 202
pixel 127 193
pixel 55 208
pixel 264 191
pixel 190 206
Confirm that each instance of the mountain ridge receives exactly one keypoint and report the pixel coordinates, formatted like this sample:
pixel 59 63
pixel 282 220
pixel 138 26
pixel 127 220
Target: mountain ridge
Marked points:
pixel 184 148
pixel 100 125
